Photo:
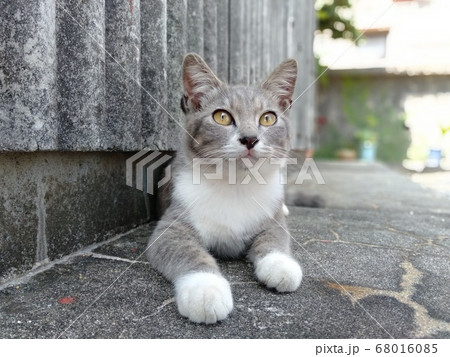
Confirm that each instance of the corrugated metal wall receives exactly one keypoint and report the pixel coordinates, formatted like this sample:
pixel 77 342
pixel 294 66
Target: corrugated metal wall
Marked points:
pixel 85 75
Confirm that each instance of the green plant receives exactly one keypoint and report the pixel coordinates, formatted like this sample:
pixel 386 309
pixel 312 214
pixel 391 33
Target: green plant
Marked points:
pixel 364 135
pixel 374 118
pixel 333 17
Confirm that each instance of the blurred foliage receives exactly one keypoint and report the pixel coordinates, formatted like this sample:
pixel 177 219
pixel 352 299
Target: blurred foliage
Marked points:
pixel 369 116
pixel 333 17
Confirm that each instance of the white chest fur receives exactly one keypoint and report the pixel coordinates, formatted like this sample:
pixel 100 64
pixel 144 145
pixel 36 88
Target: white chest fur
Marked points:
pixel 227 216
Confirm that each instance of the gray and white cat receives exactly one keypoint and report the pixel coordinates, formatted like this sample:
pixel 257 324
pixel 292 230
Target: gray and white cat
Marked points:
pixel 227 215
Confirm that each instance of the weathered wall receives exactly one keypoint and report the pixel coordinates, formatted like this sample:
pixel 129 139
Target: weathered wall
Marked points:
pixel 80 79
pixel 101 75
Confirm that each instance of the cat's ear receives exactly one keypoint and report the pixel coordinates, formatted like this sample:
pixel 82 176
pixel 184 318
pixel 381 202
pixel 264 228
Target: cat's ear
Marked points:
pixel 198 80
pixel 281 82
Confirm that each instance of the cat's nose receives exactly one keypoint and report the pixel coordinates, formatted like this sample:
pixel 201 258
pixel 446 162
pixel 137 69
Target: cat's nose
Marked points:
pixel 249 141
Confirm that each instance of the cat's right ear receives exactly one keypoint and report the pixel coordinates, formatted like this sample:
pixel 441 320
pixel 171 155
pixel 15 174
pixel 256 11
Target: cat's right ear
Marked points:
pixel 198 80
pixel 281 83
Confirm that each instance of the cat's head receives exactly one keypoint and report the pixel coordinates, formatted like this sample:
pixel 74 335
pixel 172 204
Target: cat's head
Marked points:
pixel 227 121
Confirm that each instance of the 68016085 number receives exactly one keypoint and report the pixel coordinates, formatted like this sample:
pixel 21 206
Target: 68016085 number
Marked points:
pixel 406 348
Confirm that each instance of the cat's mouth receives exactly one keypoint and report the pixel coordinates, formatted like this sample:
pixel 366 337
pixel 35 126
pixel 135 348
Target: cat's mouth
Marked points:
pixel 249 153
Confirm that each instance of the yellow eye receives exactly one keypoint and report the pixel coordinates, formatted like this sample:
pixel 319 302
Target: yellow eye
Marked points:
pixel 267 119
pixel 222 117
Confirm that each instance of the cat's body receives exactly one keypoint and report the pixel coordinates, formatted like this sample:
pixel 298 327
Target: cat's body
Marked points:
pixel 236 211
pixel 226 216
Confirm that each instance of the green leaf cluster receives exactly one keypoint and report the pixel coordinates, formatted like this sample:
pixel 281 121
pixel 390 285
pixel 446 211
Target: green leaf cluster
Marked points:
pixel 332 17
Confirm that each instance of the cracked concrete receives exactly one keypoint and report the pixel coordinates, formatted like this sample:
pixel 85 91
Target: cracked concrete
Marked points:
pixel 376 264
pixel 424 324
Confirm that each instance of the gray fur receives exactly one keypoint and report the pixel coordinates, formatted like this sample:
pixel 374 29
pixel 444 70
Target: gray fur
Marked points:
pixel 175 248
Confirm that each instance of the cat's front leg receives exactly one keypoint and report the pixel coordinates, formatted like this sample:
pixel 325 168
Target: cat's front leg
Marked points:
pixel 202 294
pixel 271 256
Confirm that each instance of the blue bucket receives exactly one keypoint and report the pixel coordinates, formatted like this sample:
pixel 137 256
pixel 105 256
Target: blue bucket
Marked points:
pixel 368 151
pixel 434 158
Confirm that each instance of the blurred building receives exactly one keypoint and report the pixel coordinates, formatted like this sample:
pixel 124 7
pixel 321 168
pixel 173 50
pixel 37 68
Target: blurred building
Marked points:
pixel 396 78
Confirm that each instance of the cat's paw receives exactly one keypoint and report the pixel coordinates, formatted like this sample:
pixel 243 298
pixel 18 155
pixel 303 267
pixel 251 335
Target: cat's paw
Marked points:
pixel 279 271
pixel 203 297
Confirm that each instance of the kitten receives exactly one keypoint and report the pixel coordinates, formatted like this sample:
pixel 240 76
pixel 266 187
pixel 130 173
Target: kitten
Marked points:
pixel 227 215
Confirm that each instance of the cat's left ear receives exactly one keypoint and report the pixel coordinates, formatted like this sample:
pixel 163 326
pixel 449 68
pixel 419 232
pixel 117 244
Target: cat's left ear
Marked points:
pixel 198 80
pixel 281 82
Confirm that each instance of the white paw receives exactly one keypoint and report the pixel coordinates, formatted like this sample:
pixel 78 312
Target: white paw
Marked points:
pixel 279 271
pixel 203 297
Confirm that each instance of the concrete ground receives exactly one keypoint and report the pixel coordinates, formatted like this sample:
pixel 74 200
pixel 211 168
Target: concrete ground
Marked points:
pixel 376 265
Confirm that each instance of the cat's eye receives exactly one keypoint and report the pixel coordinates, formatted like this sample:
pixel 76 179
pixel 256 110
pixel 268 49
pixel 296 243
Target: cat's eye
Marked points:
pixel 267 119
pixel 222 117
